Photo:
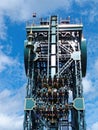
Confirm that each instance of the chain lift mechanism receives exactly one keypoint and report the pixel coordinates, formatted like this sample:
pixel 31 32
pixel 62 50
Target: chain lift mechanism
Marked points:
pixel 55 61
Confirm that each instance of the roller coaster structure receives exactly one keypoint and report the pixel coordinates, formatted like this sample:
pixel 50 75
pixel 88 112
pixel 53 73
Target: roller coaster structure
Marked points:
pixel 55 58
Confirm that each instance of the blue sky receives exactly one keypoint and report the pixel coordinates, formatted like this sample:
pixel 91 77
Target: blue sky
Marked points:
pixel 13 16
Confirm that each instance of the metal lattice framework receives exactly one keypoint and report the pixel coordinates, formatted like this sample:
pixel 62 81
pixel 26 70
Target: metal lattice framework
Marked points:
pixel 55 62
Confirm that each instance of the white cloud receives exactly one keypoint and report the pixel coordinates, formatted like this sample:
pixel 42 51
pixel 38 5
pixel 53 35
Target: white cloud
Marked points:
pixel 11 122
pixel 96 66
pixel 5 61
pixel 90 10
pixel 91 116
pixel 22 10
pixel 12 73
pixel 3 27
pixel 83 2
pixel 11 101
pixel 93 16
pixel 11 109
pixel 95 126
pixel 87 85
pixel 5 93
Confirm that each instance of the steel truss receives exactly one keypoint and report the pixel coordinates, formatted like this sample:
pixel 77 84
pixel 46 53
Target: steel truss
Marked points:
pixel 54 67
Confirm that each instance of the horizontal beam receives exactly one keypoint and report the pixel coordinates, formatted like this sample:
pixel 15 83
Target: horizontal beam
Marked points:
pixel 65 27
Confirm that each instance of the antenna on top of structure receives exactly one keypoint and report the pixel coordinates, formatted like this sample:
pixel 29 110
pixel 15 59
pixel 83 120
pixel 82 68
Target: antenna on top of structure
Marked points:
pixel 34 16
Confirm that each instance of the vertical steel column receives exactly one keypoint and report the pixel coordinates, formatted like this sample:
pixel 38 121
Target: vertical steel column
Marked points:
pixel 77 115
pixel 57 49
pixel 53 45
pixel 48 58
